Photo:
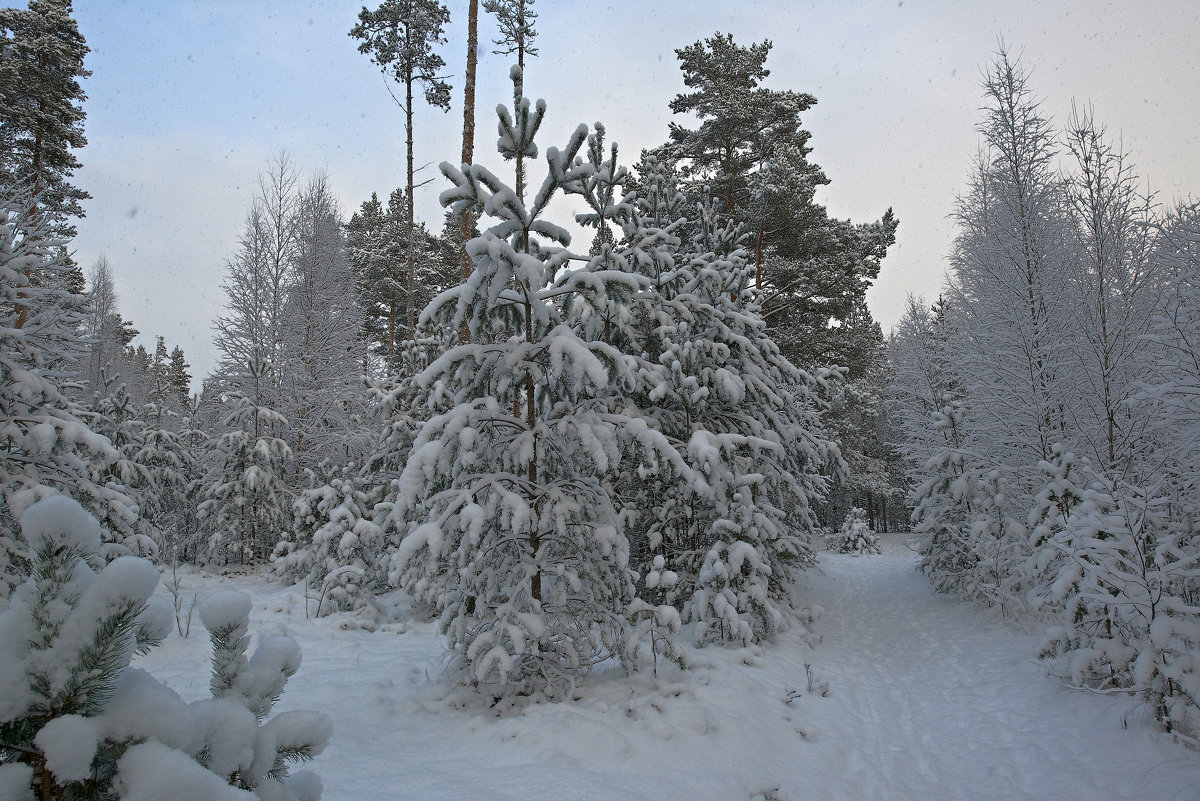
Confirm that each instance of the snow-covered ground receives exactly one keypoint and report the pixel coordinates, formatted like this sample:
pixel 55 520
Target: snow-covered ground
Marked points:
pixel 925 701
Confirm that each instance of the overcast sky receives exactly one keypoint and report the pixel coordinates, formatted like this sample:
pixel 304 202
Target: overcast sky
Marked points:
pixel 189 100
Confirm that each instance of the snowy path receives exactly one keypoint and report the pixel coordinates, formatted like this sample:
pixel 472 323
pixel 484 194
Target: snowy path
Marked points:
pixel 926 703
pixel 932 704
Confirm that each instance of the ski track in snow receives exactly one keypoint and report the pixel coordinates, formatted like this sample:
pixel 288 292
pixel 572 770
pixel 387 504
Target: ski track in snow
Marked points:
pixel 927 701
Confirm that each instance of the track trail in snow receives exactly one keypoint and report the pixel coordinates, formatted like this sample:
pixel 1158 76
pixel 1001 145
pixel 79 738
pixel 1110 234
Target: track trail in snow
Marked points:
pixel 931 702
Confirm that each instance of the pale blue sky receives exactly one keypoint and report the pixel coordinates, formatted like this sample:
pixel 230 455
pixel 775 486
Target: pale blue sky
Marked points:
pixel 189 100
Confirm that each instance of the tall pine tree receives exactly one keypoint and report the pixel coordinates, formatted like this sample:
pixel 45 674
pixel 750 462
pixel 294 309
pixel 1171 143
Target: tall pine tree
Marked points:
pixel 400 36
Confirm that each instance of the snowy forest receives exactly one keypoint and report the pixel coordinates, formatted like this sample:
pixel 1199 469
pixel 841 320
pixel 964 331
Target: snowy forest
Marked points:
pixel 581 461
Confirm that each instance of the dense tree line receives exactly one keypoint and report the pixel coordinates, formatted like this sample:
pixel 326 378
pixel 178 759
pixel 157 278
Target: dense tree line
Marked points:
pixel 1048 399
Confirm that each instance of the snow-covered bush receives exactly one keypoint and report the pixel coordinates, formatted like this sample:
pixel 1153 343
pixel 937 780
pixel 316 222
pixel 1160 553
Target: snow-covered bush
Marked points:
pixel 336 548
pixel 855 535
pixel 1128 579
pixel 76 721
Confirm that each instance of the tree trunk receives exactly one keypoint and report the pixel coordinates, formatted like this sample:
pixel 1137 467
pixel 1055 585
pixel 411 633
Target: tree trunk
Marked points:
pixel 535 588
pixel 408 130
pixel 391 338
pixel 468 143
pixel 21 309
pixel 758 245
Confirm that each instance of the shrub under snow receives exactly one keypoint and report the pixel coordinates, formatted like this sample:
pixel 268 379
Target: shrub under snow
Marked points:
pixel 76 721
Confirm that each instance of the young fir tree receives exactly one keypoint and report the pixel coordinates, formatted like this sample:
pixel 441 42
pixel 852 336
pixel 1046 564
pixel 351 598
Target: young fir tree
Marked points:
pixel 247 500
pixel 1065 479
pixel 943 466
pixel 855 535
pixel 512 534
pixel 77 722
pixel 1129 622
pixel 334 546
pixel 400 36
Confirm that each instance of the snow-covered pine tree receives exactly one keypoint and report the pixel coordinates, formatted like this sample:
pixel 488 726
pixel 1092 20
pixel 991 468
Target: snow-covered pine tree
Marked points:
pixel 750 151
pixel 514 536
pixel 999 546
pixel 46 448
pixel 944 467
pixel 749 421
pixel 76 721
pixel 244 690
pixel 1066 478
pixel 942 505
pixel 741 418
pixel 170 453
pixel 334 546
pixel 1131 621
pixel 247 501
pixel 616 306
pixel 113 415
pixel 855 535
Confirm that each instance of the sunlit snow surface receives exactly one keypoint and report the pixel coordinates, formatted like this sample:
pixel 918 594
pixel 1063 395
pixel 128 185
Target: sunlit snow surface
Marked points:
pixel 926 701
